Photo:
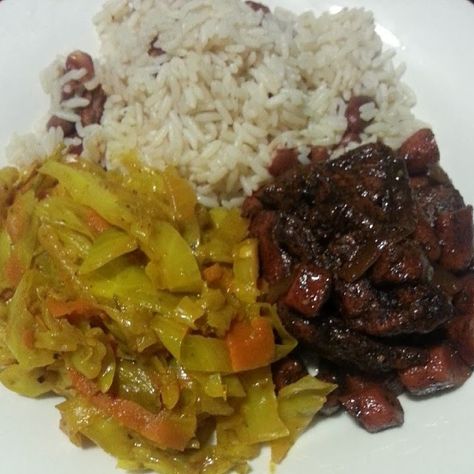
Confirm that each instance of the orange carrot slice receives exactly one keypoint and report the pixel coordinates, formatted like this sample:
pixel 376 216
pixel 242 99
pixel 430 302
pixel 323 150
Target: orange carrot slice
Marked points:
pixel 251 344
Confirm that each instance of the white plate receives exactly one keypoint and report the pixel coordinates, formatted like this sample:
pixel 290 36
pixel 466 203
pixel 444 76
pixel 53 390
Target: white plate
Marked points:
pixel 435 39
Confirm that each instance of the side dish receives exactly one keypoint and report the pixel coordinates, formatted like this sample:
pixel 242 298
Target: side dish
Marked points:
pixel 140 307
pixel 369 257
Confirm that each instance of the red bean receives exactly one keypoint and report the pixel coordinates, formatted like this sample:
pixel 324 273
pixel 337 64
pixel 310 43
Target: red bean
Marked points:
pixel 283 160
pixel 318 153
pixel 93 112
pixel 258 7
pixel 355 124
pixel 68 128
pixel 79 60
pixel 155 51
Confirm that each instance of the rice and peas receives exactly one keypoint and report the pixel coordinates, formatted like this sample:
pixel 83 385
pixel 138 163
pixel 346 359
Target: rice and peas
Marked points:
pixel 231 86
pixel 228 87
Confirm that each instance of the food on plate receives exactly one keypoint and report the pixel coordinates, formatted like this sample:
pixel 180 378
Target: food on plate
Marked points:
pixel 216 88
pixel 139 306
pixel 178 325
pixel 369 257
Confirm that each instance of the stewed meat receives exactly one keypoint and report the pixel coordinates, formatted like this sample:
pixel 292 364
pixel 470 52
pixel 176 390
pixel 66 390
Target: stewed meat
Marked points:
pixel 403 262
pixel 309 289
pixel 420 151
pixel 331 338
pixel 404 309
pixel 444 369
pixel 274 261
pixel 288 370
pixel 427 238
pixel 374 407
pixel 464 299
pixel 455 233
pixel 370 259
pixel 461 334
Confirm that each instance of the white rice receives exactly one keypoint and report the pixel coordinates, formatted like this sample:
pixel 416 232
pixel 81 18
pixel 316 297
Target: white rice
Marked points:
pixel 233 86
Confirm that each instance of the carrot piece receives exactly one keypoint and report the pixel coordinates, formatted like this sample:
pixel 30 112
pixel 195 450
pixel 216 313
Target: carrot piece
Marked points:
pixel 61 309
pixel 213 273
pixel 159 428
pixel 96 222
pixel 251 344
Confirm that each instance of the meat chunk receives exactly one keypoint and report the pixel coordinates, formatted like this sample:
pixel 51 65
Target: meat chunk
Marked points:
pixel 374 407
pixel 419 151
pixel 401 263
pixel 309 290
pixel 293 235
pixel 405 309
pixel 330 373
pixel 456 235
pixel 275 263
pixel 354 381
pixel 372 192
pixel 352 255
pixel 427 238
pixel 283 159
pixel 461 334
pixel 357 299
pixel 444 370
pixel 288 370
pixel 445 281
pixel 464 299
pixel 251 207
pixel 433 200
pixel 334 341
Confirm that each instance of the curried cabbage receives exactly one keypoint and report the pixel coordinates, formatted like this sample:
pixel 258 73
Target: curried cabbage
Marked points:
pixel 142 308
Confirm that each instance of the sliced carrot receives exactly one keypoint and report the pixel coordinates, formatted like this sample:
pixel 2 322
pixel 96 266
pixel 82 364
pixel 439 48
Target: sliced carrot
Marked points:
pixel 251 344
pixel 84 386
pixel 159 428
pixel 96 222
pixel 61 309
pixel 213 273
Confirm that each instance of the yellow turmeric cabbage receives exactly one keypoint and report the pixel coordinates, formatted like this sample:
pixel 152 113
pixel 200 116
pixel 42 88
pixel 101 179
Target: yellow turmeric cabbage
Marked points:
pixel 142 308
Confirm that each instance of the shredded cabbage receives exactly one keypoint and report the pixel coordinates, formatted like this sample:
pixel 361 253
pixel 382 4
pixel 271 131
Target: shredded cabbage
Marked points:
pixel 143 309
